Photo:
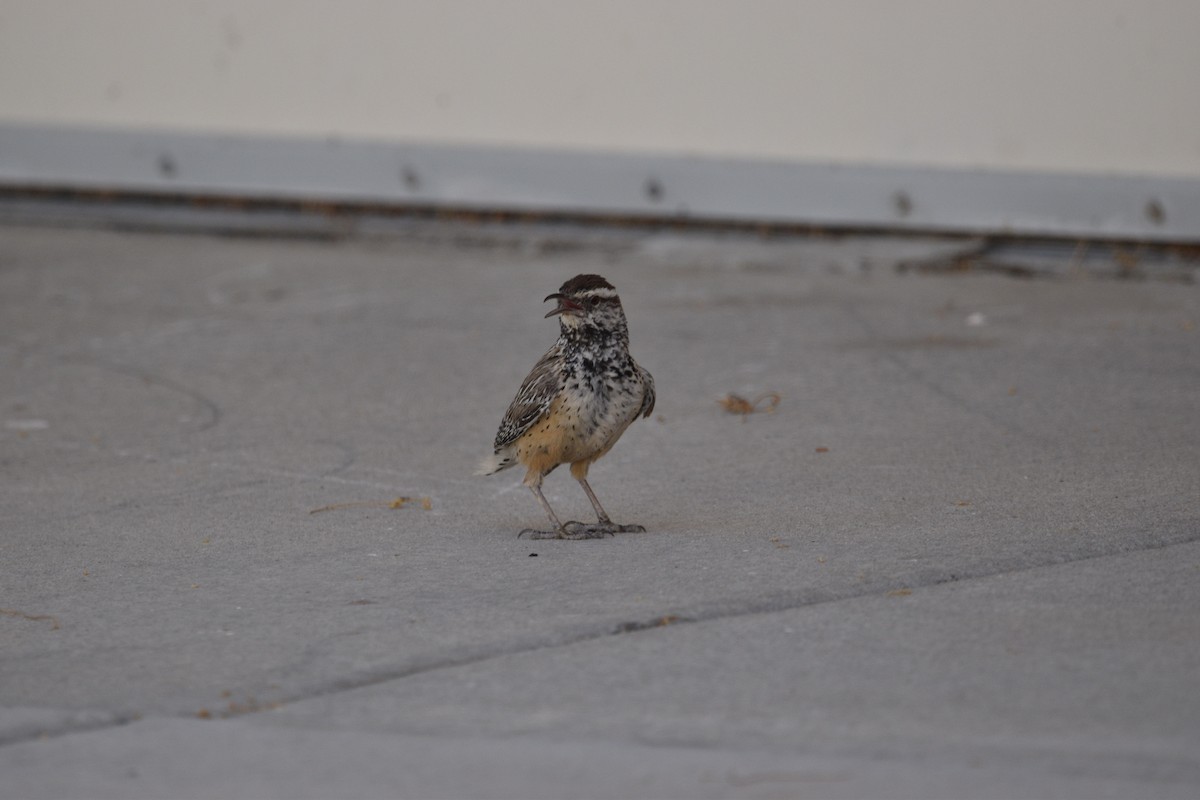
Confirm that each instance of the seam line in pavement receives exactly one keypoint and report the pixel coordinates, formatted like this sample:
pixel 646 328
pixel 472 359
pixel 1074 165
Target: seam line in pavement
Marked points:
pixel 790 602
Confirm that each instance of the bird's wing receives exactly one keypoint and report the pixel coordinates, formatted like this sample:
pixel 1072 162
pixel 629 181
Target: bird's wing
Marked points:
pixel 532 400
pixel 647 393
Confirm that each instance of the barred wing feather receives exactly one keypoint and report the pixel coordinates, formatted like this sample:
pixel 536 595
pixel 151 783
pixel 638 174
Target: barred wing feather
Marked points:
pixel 532 400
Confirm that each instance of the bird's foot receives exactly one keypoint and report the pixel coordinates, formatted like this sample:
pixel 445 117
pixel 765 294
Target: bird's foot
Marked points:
pixel 567 532
pixel 605 527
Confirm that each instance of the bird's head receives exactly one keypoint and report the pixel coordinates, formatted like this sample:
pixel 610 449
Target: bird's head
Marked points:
pixel 588 302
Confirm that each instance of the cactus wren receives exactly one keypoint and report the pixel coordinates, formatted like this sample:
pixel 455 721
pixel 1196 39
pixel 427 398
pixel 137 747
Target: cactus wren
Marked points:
pixel 576 402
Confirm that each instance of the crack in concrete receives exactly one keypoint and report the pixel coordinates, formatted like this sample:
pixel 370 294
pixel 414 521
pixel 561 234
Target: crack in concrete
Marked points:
pixel 32 731
pixel 710 612
pixel 212 412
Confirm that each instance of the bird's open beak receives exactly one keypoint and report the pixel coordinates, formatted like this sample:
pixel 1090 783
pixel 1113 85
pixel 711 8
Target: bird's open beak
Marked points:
pixel 565 305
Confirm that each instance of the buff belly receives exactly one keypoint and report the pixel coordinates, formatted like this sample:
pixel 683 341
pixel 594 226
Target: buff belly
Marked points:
pixel 575 433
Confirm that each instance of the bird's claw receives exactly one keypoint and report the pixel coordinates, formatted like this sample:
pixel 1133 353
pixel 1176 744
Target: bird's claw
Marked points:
pixel 581 530
pixel 603 527
pixel 584 532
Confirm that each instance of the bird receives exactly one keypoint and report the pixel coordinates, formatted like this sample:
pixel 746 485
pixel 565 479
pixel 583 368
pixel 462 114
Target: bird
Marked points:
pixel 575 403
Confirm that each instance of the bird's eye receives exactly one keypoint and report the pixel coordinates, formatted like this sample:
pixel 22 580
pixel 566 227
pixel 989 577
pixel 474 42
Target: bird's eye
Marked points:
pixel 593 301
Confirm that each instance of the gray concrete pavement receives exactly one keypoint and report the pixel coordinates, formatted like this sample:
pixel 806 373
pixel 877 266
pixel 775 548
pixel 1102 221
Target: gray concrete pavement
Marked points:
pixel 961 558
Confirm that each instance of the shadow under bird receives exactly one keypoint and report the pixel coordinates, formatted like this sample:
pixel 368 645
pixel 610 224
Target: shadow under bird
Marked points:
pixel 575 403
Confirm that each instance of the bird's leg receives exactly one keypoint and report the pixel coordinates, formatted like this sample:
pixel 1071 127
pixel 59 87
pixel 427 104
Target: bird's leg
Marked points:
pixel 604 522
pixel 559 531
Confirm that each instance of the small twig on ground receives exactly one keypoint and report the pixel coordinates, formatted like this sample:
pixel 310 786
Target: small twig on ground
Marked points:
pixel 764 403
pixel 9 612
pixel 399 502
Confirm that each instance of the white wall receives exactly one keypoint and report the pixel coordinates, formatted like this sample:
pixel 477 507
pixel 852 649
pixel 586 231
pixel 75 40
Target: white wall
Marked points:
pixel 1094 86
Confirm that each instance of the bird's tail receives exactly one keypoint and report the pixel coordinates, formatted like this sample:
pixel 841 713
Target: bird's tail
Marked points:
pixel 490 465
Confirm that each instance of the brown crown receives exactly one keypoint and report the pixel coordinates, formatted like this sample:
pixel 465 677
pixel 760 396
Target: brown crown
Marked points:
pixel 583 283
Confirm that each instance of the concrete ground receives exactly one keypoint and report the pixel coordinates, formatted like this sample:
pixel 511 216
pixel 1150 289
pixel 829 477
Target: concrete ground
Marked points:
pixel 961 557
